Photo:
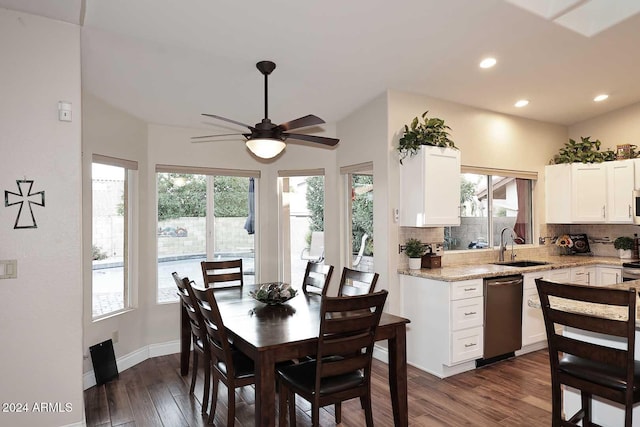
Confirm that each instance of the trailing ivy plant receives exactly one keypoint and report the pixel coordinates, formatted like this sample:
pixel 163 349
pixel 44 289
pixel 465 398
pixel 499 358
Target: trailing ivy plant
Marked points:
pixel 431 131
pixel 583 151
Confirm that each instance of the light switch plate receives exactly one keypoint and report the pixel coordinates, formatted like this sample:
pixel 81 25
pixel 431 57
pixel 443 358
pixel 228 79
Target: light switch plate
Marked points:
pixel 8 269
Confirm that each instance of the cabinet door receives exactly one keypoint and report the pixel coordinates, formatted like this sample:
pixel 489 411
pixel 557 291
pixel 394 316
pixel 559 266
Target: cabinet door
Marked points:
pixel 583 275
pixel 532 321
pixel 620 177
pixel 562 275
pixel 557 189
pixel 588 192
pixel 608 276
pixel 430 188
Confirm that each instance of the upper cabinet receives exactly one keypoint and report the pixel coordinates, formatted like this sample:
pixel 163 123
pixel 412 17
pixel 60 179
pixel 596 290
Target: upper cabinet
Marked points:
pixel 430 188
pixel 590 192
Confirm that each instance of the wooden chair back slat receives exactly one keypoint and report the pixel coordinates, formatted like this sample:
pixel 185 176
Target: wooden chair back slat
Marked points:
pixel 354 282
pixel 222 273
pixel 316 278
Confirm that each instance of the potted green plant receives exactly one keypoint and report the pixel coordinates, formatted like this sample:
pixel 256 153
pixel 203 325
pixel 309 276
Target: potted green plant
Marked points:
pixel 431 131
pixel 414 249
pixel 583 151
pixel 624 245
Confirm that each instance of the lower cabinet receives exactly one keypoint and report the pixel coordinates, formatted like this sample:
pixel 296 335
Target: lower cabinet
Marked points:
pixel 533 331
pixel 608 275
pixel 445 335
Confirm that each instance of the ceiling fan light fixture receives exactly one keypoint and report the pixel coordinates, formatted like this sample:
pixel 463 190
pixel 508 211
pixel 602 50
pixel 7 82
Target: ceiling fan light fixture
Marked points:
pixel 265 148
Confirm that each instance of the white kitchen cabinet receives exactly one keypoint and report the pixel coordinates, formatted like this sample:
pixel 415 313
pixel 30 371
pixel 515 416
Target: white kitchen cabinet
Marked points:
pixel 445 335
pixel 583 275
pixel 533 330
pixel 430 188
pixel 620 184
pixel 608 275
pixel 557 188
pixel 588 192
pixel 562 275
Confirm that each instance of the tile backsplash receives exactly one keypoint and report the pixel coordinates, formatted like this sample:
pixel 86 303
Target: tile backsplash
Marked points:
pixel 596 232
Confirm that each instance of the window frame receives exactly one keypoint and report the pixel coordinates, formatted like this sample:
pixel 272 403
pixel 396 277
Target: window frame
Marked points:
pixel 130 243
pixel 488 173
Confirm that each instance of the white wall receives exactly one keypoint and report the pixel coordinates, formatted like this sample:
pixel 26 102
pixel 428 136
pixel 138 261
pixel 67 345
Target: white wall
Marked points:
pixel 41 310
pixel 616 128
pixel 111 132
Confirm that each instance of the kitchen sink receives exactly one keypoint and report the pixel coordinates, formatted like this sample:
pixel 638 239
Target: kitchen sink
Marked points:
pixel 521 263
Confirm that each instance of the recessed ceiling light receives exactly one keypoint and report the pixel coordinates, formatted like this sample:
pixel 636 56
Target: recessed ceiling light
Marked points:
pixel 488 62
pixel 601 97
pixel 522 103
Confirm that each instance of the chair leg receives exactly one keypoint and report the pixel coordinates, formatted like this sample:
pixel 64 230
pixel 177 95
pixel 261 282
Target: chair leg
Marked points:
pixel 368 412
pixel 231 403
pixel 586 408
pixel 291 398
pixel 283 394
pixel 214 400
pixel 207 383
pixel 337 408
pixel 194 372
pixel 315 415
pixel 556 405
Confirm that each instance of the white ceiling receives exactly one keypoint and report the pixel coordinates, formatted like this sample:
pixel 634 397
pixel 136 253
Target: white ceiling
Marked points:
pixel 167 61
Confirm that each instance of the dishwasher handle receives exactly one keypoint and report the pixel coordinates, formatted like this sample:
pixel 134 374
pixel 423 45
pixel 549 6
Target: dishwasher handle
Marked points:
pixel 504 282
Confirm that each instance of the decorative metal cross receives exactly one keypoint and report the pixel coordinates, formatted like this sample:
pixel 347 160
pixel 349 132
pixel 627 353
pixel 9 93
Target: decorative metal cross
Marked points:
pixel 22 221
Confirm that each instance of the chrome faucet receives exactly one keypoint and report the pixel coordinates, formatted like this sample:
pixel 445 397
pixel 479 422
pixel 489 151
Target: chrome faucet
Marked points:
pixel 503 246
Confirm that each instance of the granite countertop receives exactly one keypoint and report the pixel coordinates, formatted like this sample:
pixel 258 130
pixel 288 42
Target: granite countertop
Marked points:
pixel 479 271
pixel 599 310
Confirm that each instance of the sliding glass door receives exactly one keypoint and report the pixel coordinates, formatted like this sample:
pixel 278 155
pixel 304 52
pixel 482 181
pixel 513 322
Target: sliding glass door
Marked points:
pixel 202 217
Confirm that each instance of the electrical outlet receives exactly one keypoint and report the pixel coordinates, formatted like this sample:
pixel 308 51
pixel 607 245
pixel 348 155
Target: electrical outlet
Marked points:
pixel 114 336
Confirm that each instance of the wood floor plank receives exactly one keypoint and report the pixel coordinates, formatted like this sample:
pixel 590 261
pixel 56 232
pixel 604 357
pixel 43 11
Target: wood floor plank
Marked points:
pixel 514 392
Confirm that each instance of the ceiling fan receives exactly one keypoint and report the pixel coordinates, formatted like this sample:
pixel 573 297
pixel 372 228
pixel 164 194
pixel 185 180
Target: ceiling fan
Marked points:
pixel 266 139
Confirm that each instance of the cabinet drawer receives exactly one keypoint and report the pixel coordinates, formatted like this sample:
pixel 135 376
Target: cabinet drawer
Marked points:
pixel 467 313
pixel 466 345
pixel 466 289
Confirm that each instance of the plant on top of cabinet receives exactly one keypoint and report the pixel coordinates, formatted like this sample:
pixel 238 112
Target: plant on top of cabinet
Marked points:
pixel 585 151
pixel 432 131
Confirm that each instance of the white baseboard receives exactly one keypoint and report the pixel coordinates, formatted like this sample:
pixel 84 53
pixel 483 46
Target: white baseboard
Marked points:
pixel 170 347
pixel 381 353
pixel 128 360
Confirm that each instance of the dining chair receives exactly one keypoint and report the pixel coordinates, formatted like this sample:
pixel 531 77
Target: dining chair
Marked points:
pixel 342 368
pixel 198 335
pixel 354 282
pixel 230 366
pixel 316 278
pixel 222 273
pixel 593 368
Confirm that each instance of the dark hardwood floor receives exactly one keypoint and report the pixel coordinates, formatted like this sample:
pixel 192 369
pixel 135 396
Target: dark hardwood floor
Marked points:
pixel 515 392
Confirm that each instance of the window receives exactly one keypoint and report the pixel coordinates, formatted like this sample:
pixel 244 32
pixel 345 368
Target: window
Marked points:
pixel 489 203
pixel 302 213
pixel 359 203
pixel 203 214
pixel 113 190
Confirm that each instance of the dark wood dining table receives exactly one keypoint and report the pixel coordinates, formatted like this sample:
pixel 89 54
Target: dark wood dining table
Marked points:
pixel 275 333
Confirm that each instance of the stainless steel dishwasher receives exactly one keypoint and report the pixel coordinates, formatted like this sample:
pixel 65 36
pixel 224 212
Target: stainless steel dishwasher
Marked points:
pixel 502 317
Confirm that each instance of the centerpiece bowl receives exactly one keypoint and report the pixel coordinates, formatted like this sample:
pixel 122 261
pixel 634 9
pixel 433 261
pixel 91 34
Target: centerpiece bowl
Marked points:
pixel 274 293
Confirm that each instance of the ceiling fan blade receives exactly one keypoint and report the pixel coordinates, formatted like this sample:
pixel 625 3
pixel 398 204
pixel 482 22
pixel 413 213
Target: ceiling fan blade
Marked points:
pixel 227 120
pixel 302 122
pixel 312 138
pixel 213 136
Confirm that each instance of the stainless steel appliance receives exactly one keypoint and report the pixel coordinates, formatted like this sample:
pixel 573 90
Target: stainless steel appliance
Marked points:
pixel 630 271
pixel 502 317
